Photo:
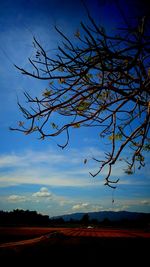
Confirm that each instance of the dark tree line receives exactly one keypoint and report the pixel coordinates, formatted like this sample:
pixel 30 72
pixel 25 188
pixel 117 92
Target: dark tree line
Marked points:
pixel 22 217
pixel 32 218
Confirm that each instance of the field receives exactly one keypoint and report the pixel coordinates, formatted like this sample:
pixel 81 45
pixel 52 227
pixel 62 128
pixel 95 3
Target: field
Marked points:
pixel 71 246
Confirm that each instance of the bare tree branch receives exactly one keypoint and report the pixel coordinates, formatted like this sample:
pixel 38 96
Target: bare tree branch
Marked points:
pixel 100 81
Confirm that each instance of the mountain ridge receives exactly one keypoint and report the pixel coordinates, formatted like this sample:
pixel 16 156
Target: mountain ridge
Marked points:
pixel 102 215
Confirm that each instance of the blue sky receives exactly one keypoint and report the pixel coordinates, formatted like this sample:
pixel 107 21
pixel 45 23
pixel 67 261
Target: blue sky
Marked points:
pixel 38 175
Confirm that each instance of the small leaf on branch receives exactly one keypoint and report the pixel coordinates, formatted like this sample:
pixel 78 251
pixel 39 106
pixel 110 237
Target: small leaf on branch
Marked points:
pixel 146 147
pixel 47 93
pixel 54 126
pixel 51 82
pixel 115 137
pixel 139 158
pixel 20 123
pixel 128 171
pixel 61 80
pixel 47 105
pixel 61 69
pixel 85 161
pixel 89 76
pixel 77 34
pixel 77 125
pixel 83 106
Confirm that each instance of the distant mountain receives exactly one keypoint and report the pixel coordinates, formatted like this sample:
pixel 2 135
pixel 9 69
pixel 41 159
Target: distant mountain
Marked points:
pixel 110 215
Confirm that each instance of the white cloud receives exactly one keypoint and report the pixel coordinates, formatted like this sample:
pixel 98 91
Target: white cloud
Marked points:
pixel 80 206
pixel 46 177
pixel 44 193
pixel 47 168
pixel 130 204
pixel 9 160
pixel 55 168
pixel 16 198
pixel 86 207
pixel 50 156
pixel 28 158
pixel 145 202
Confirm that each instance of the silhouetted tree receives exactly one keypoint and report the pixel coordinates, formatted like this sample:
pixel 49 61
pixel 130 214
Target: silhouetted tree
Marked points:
pixel 100 80
pixel 106 222
pixel 85 219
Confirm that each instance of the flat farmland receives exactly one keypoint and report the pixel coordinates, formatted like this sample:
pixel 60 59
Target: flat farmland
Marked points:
pixel 18 233
pixel 9 234
pixel 74 246
pixel 103 232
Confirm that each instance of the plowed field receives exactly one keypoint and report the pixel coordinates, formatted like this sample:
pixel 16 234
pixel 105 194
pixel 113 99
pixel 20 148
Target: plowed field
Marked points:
pixel 10 234
pixel 104 232
pixel 73 246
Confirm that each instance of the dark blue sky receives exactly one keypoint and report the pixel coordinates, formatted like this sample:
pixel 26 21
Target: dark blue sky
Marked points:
pixel 38 175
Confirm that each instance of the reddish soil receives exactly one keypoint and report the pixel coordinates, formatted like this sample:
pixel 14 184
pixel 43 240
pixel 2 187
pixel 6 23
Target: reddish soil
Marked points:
pixel 74 246
pixel 8 233
pixel 104 232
